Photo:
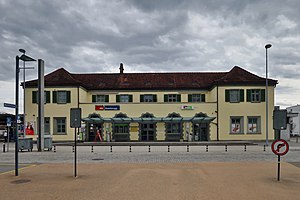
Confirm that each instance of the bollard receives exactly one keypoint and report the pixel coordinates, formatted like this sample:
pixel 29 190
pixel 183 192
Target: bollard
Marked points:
pixel 264 147
pixel 129 148
pixel 168 148
pixel 73 149
pixel 206 148
pixel 226 147
pixel 187 148
pixel 149 149
pixel 3 147
pixel 110 148
pixel 245 149
pixel 92 149
pixel 54 149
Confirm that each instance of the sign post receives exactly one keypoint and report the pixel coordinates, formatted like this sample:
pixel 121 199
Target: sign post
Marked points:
pixel 279 147
pixel 8 124
pixel 75 122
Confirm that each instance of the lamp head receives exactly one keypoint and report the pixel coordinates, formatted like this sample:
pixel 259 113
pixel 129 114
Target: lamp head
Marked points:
pixel 268 46
pixel 22 51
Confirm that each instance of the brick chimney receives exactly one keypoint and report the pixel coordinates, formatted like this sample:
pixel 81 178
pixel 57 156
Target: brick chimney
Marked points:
pixel 121 68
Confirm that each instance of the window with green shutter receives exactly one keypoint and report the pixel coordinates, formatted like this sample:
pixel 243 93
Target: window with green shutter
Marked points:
pixel 148 98
pixel 35 96
pixel 196 98
pixel 172 98
pixel 234 95
pixel 256 95
pixel 100 98
pixel 61 97
pixel 124 98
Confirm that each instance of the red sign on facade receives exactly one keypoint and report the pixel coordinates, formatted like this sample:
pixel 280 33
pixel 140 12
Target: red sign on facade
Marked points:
pixel 97 107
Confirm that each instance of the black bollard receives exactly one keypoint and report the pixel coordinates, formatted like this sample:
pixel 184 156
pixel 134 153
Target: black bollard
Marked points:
pixel 226 147
pixel 54 149
pixel 73 149
pixel 245 149
pixel 206 148
pixel 129 148
pixel 92 149
pixel 110 148
pixel 168 148
pixel 3 147
pixel 187 148
pixel 149 149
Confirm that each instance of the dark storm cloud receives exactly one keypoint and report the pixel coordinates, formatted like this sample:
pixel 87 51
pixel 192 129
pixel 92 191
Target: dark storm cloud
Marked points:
pixel 169 35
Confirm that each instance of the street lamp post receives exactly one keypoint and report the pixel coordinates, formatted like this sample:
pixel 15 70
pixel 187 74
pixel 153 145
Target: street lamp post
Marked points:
pixel 267 96
pixel 24 58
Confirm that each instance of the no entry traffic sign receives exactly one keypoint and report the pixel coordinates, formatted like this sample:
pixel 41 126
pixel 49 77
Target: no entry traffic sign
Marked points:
pixel 280 147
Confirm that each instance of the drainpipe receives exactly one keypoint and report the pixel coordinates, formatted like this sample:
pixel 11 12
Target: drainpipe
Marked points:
pixel 218 113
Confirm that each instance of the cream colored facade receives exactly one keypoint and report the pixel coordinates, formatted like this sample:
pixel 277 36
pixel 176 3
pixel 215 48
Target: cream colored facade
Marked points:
pixel 214 106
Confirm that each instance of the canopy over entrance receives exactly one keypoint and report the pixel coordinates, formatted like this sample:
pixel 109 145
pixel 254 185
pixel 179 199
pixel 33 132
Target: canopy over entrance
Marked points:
pixel 150 119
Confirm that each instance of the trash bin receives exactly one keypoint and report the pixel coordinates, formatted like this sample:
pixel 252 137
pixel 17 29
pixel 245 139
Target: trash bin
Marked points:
pixel 47 142
pixel 25 144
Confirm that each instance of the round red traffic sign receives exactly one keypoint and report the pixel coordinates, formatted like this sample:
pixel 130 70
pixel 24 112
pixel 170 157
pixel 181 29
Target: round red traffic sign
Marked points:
pixel 280 147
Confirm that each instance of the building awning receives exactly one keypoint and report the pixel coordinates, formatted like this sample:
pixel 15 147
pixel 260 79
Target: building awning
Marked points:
pixel 150 119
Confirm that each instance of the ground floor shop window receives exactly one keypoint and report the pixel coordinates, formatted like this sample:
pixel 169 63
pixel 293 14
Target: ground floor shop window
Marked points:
pixel 147 132
pixel 200 132
pixel 120 132
pixel 236 125
pixel 59 126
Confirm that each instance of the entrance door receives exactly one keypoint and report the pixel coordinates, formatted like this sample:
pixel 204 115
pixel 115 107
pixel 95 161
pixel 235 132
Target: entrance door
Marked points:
pixel 148 132
pixel 200 132
pixel 92 130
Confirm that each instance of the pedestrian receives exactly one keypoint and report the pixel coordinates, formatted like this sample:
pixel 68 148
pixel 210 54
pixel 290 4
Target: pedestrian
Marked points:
pixel 98 135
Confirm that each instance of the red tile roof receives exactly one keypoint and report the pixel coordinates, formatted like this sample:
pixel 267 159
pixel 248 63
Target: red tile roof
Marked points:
pixel 152 81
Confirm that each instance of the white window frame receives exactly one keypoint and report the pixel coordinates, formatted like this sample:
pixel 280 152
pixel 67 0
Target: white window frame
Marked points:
pixel 234 96
pixel 61 97
pixel 148 98
pixel 236 125
pixel 100 98
pixel 197 98
pixel 124 98
pixel 253 127
pixel 60 125
pixel 172 98
pixel 255 95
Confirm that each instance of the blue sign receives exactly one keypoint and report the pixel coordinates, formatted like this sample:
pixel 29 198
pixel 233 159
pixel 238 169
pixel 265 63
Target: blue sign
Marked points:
pixel 8 121
pixel 117 107
pixel 9 105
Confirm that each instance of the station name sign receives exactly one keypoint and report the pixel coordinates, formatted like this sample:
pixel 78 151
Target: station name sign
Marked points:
pixel 107 107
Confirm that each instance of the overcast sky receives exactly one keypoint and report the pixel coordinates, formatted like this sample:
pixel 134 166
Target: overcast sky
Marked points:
pixel 151 36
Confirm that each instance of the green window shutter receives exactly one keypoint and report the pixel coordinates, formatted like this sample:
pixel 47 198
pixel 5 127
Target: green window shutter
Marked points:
pixel 34 96
pixel 93 98
pixel 117 98
pixel 248 95
pixel 178 97
pixel 54 96
pixel 227 95
pixel 141 98
pixel 154 98
pixel 190 98
pixel 263 95
pixel 68 96
pixel 130 98
pixel 165 98
pixel 202 97
pixel 106 98
pixel 47 93
pixel 241 95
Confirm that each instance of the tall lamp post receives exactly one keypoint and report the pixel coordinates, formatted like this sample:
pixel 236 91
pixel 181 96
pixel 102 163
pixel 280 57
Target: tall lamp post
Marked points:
pixel 24 58
pixel 24 86
pixel 267 96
